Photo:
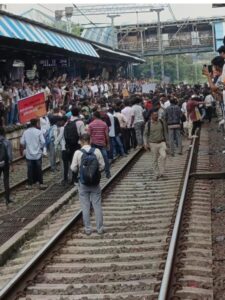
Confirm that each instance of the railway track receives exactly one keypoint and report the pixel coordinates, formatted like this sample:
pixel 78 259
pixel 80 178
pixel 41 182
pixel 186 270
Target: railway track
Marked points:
pixel 18 180
pixel 21 224
pixel 130 260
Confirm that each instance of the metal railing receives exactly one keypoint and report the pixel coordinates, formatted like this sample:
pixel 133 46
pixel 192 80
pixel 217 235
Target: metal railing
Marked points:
pixel 174 238
pixel 176 43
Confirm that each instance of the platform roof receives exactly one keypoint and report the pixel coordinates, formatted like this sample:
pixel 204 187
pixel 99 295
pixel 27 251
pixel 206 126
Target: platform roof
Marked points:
pixel 14 27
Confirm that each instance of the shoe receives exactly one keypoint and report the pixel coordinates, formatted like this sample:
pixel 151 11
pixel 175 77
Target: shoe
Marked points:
pixel 88 232
pixel 101 231
pixel 28 187
pixel 108 176
pixel 115 157
pixel 9 201
pixel 42 186
pixel 64 182
pixel 180 153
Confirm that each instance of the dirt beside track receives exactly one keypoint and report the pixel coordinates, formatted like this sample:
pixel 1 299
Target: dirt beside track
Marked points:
pixel 217 163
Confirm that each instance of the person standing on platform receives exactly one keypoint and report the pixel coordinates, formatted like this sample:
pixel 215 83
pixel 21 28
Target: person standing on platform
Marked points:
pixel 33 142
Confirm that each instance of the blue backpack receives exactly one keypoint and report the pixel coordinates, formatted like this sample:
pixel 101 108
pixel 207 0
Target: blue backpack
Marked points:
pixel 89 168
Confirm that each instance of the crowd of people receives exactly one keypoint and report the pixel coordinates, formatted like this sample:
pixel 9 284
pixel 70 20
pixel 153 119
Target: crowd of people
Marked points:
pixel 101 120
pixel 61 92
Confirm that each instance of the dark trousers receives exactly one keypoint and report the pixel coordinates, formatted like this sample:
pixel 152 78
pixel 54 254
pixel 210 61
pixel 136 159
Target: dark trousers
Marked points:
pixel 133 138
pixel 105 157
pixel 125 139
pixel 209 111
pixel 5 171
pixel 67 157
pixel 196 124
pixel 34 171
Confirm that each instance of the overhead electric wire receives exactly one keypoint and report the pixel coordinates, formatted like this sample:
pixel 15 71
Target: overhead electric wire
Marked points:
pixel 83 14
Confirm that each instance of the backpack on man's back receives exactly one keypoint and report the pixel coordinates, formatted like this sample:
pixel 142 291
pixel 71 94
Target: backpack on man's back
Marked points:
pixel 89 168
pixel 71 134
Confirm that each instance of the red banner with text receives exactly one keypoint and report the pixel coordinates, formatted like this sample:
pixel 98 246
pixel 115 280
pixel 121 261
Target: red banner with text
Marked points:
pixel 31 107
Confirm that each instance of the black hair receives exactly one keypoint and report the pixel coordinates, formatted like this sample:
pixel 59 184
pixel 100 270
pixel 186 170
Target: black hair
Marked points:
pixel 33 122
pixel 85 138
pixel 75 111
pixel 127 102
pixel 221 49
pixel 96 114
pixel 218 61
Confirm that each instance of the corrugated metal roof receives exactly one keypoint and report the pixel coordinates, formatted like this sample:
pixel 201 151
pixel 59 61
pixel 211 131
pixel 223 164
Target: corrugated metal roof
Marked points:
pixel 18 29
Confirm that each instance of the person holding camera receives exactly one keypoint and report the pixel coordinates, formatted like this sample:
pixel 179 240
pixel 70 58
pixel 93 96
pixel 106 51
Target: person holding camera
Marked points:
pixel 215 81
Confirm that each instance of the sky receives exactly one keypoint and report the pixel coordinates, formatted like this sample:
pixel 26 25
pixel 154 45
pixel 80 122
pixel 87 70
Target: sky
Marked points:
pixel 181 11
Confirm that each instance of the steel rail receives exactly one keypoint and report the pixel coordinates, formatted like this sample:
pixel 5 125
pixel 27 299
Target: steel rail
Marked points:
pixel 170 257
pixel 9 287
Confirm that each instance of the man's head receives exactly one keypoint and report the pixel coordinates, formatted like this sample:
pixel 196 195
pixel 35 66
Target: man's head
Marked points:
pixel 34 123
pixel 75 111
pixel 96 115
pixel 85 139
pixel 173 101
pixel 154 115
pixel 218 62
pixel 221 51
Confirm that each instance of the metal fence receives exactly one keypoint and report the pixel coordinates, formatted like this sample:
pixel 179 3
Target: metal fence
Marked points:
pixel 177 43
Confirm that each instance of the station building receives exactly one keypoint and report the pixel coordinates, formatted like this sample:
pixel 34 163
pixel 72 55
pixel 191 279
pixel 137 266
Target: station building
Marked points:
pixel 33 50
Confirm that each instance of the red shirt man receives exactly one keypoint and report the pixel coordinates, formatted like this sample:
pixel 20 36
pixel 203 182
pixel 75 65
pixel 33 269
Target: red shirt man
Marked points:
pixel 98 131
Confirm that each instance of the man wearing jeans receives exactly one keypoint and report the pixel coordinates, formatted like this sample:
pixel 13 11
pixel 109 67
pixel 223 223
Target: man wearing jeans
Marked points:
pixel 89 194
pixel 173 116
pixel 99 133
pixel 33 141
pixel 138 120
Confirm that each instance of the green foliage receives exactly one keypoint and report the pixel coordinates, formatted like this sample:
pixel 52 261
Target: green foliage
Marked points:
pixel 190 68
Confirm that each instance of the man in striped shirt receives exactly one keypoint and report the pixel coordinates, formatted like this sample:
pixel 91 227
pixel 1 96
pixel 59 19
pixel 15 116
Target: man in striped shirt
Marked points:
pixel 99 133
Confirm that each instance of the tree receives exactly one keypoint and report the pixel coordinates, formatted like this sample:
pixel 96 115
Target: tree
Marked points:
pixel 190 68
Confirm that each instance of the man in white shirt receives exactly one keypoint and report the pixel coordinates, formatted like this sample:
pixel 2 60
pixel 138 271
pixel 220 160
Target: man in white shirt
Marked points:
pixel 138 121
pixel 208 102
pixel 89 194
pixel 129 115
pixel 33 141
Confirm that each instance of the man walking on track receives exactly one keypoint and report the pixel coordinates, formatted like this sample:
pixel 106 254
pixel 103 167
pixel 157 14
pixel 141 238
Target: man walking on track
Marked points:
pixel 89 161
pixel 5 161
pixel 99 133
pixel 155 141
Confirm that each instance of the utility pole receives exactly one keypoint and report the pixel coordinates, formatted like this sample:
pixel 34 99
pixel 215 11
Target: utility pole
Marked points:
pixel 112 17
pixel 158 11
pixel 177 68
pixel 152 68
pixel 162 68
pixel 68 14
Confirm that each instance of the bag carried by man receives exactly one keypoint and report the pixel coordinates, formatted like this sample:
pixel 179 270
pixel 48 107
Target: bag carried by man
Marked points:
pixel 71 134
pixel 89 168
